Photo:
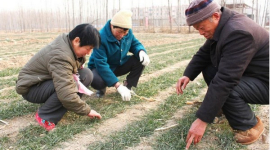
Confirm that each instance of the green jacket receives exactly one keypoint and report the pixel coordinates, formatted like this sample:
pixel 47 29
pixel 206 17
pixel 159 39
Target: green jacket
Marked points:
pixel 57 61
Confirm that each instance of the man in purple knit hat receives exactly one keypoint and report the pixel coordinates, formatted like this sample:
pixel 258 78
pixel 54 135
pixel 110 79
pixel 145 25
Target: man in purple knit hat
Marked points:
pixel 234 62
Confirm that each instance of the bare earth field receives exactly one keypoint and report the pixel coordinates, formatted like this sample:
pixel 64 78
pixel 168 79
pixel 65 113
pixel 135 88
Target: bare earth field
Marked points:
pixel 17 117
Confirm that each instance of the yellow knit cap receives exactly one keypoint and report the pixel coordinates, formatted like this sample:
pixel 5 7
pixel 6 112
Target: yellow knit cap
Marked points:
pixel 122 19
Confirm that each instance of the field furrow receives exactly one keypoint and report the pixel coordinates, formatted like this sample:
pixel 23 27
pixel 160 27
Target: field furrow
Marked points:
pixel 135 125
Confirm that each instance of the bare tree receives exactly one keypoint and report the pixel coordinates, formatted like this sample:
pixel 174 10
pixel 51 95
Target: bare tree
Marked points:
pixel 21 19
pixel 81 9
pixel 107 8
pixel 189 26
pixel 179 15
pixel 257 18
pixel 73 12
pixel 170 16
pixel 264 13
pixel 252 9
pixel 119 5
pixel 223 3
pixel 97 19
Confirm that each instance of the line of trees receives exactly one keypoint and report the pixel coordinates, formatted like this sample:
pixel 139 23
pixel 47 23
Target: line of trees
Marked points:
pixel 48 18
pixel 67 14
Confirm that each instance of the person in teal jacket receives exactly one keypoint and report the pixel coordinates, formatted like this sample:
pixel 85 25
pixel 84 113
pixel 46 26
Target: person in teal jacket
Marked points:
pixel 120 53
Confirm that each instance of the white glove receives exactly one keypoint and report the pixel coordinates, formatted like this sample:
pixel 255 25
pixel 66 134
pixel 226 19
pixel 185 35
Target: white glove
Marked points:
pixel 144 58
pixel 125 92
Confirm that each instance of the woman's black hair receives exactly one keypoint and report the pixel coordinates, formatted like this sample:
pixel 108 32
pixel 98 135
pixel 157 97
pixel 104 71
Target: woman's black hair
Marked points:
pixel 87 33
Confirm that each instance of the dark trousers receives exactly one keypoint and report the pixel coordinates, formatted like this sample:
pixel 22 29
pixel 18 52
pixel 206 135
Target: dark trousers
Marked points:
pixel 236 108
pixel 52 109
pixel 133 66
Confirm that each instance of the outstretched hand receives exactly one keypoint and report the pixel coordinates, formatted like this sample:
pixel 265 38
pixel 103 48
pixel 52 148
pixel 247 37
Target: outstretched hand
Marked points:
pixel 181 84
pixel 94 114
pixel 196 132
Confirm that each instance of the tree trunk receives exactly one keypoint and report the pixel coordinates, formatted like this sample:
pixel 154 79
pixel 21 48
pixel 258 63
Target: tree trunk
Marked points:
pixel 264 13
pixel 170 17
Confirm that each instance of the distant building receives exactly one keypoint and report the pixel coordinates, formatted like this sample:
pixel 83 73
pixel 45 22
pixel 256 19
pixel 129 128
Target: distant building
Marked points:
pixel 246 7
pixel 175 16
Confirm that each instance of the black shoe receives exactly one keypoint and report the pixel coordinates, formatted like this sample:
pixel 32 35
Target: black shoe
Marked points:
pixel 101 93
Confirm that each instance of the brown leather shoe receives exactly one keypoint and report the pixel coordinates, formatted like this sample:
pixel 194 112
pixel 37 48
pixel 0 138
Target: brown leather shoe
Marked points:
pixel 251 135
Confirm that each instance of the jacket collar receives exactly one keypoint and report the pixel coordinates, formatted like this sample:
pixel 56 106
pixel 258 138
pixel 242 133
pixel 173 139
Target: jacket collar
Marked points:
pixel 71 48
pixel 109 34
pixel 226 15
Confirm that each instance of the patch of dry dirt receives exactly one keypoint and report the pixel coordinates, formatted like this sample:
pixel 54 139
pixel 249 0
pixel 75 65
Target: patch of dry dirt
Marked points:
pixel 263 142
pixel 15 124
pixel 24 121
pixel 14 62
pixel 160 39
pixel 19 61
pixel 80 141
pixel 146 143
pixel 112 125
pixel 131 114
pixel 18 123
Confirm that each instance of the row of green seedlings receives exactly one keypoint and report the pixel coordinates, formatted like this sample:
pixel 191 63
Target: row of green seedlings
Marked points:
pixel 173 139
pixel 150 50
pixel 16 109
pixel 20 49
pixel 156 64
pixel 151 88
pixel 29 137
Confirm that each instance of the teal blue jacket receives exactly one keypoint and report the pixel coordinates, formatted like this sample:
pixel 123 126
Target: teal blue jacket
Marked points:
pixel 113 53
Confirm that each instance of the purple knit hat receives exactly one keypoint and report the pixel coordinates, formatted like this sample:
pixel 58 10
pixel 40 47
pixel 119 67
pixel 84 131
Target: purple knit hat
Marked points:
pixel 198 10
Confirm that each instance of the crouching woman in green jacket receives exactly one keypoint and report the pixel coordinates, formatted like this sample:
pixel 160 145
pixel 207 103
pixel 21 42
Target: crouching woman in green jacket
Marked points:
pixel 56 78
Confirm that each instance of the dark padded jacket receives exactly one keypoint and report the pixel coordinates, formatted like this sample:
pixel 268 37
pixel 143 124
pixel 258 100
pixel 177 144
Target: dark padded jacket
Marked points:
pixel 239 47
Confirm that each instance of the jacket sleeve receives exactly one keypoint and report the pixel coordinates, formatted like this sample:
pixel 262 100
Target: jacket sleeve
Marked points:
pixel 136 46
pixel 237 51
pixel 61 70
pixel 103 67
pixel 199 61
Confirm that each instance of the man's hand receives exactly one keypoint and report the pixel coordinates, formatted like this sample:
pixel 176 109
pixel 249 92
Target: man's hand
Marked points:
pixel 125 92
pixel 144 58
pixel 94 114
pixel 196 132
pixel 181 84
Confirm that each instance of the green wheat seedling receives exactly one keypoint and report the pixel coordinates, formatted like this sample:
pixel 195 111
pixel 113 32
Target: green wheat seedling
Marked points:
pixel 77 124
pixel 154 66
pixel 165 47
pixel 131 135
pixel 34 137
pixel 9 72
